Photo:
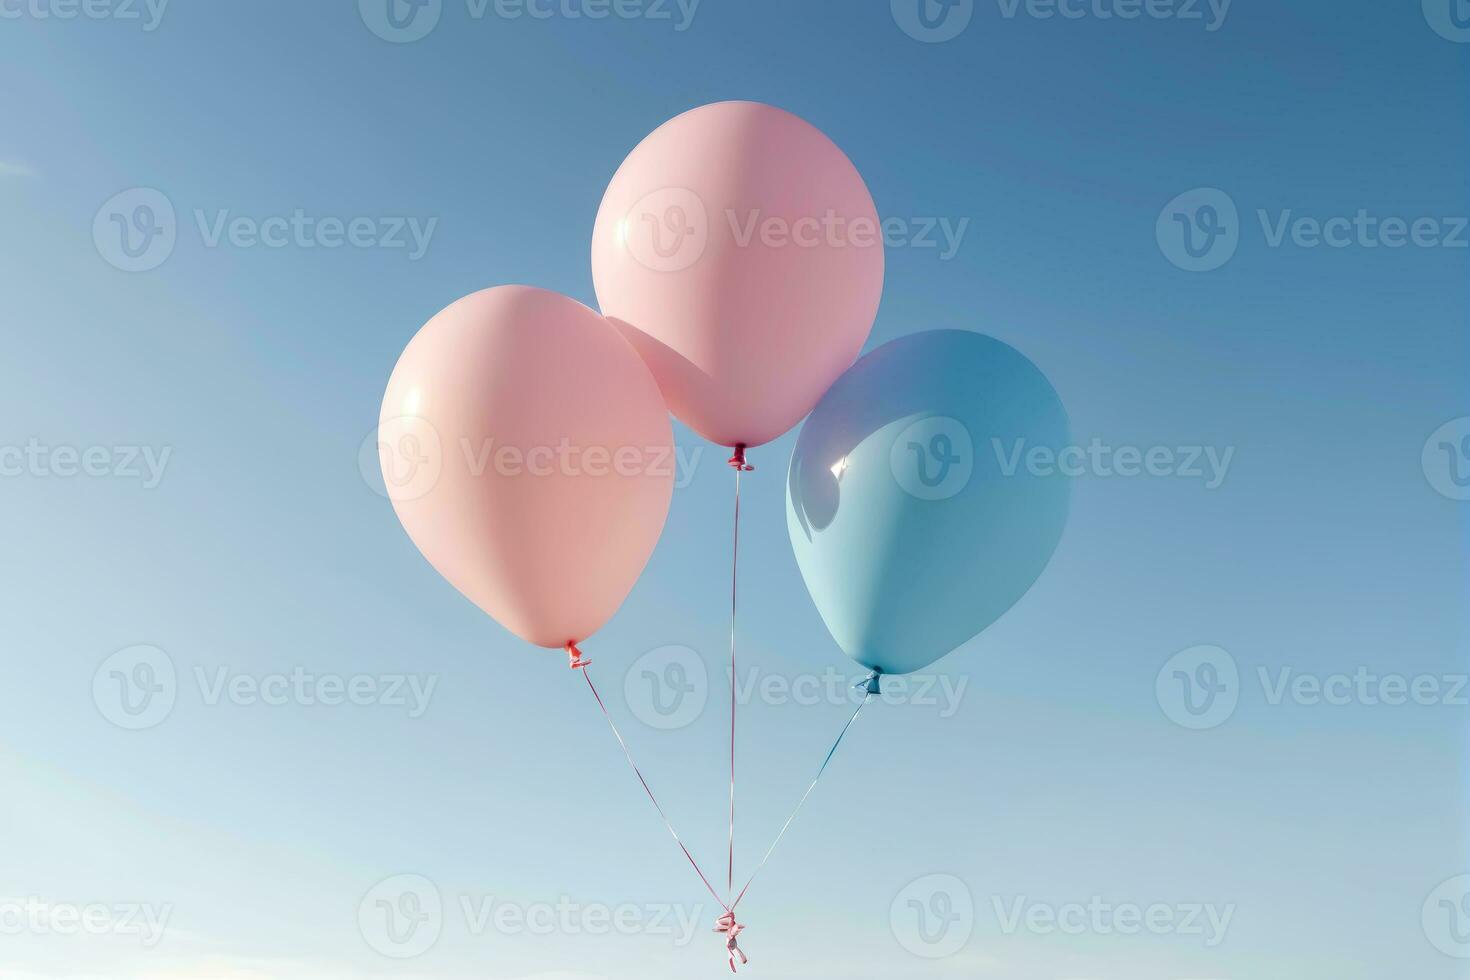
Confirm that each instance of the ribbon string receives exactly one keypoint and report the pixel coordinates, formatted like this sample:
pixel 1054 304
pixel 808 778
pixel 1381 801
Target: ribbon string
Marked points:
pixel 587 675
pixel 738 463
pixel 870 688
pixel 726 924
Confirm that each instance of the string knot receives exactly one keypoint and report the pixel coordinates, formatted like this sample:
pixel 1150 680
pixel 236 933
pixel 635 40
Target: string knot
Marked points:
pixel 737 459
pixel 732 930
pixel 871 684
pixel 577 657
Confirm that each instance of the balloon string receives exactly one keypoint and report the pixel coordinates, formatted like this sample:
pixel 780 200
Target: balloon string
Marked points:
pixel 738 463
pixel 647 789
pixel 869 687
pixel 734 568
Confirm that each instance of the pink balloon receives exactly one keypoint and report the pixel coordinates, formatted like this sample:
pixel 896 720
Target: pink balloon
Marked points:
pixel 741 253
pixel 529 455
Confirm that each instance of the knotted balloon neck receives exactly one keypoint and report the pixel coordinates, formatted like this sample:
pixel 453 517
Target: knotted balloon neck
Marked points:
pixel 737 459
pixel 872 684
pixel 732 930
pixel 577 658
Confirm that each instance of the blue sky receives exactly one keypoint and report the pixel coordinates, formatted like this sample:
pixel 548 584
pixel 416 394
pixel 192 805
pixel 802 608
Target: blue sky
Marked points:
pixel 181 444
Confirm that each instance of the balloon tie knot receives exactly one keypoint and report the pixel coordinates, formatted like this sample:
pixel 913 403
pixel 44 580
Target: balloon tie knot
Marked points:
pixel 732 930
pixel 577 657
pixel 870 685
pixel 737 459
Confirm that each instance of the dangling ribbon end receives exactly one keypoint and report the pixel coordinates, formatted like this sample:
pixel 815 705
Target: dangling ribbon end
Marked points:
pixel 737 459
pixel 577 658
pixel 732 930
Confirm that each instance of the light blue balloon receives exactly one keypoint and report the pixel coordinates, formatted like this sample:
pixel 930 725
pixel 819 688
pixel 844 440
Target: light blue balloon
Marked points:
pixel 925 497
